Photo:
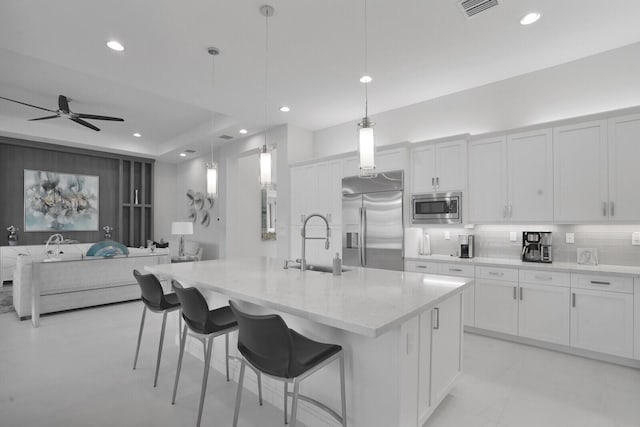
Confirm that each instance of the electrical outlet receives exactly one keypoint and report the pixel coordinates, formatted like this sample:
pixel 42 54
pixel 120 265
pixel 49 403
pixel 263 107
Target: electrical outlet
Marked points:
pixel 513 236
pixel 569 238
pixel 447 235
pixel 635 238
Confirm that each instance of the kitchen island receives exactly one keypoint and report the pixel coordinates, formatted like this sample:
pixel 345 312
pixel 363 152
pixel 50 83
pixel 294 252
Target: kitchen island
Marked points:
pixel 401 332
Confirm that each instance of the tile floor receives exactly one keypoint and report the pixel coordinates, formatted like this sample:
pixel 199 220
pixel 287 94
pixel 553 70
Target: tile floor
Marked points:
pixel 75 370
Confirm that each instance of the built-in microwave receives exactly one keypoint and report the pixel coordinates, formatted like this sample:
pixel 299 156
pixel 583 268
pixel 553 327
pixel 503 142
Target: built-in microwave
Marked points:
pixel 436 208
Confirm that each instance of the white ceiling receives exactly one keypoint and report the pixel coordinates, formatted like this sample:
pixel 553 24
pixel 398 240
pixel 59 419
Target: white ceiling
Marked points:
pixel 162 83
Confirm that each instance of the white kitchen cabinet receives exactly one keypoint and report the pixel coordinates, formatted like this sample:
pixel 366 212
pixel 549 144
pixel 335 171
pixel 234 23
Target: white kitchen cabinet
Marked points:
pixel 392 160
pixel 624 179
pixel 543 312
pixel 580 172
pixel 441 343
pixel 602 321
pixel 530 176
pixel 469 293
pixel 304 187
pixel 488 180
pixel 497 306
pixel 636 316
pixel 329 190
pixel 439 167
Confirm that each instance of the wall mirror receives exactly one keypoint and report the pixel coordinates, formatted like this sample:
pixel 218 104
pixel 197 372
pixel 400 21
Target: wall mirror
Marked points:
pixel 269 212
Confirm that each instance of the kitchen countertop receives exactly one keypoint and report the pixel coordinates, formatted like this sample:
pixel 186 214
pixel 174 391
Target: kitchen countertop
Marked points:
pixel 364 301
pixel 568 267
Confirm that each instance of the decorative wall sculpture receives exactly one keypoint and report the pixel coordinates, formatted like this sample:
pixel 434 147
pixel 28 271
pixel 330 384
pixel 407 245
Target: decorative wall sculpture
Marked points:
pixel 58 201
pixel 199 208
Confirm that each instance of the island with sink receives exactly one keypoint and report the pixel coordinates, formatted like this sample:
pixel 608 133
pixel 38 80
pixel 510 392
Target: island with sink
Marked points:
pixel 401 331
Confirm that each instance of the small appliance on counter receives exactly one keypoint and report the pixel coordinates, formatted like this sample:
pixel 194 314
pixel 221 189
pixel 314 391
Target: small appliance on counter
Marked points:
pixel 536 246
pixel 466 245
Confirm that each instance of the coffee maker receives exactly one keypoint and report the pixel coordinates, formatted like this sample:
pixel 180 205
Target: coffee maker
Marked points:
pixel 466 245
pixel 536 246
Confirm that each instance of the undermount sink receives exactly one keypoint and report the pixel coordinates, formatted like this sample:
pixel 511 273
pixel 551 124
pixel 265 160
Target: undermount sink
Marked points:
pixel 324 268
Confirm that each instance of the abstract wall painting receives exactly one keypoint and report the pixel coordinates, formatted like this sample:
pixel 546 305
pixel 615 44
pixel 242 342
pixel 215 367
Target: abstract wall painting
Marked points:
pixel 60 202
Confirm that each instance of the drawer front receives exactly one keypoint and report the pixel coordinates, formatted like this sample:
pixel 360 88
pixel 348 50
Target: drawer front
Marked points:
pixel 497 273
pixel 421 267
pixel 462 270
pixel 542 277
pixel 603 283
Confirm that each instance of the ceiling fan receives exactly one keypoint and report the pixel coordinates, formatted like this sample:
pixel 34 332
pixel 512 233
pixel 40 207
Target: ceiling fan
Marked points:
pixel 64 111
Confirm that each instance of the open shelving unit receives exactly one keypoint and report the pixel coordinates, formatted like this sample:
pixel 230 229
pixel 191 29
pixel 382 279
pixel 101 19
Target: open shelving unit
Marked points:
pixel 136 202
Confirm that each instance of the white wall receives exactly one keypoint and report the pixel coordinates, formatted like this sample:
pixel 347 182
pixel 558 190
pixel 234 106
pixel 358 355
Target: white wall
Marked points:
pixel 603 82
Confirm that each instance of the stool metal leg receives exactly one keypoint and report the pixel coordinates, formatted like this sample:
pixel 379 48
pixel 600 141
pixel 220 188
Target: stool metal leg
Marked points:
pixel 342 392
pixel 226 359
pixel 164 324
pixel 259 388
pixel 182 344
pixel 180 324
pixel 286 392
pixel 205 377
pixel 294 404
pixel 144 312
pixel 239 393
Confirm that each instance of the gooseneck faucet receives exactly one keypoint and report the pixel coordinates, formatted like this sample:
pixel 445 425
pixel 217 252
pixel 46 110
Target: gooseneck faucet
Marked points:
pixel 302 260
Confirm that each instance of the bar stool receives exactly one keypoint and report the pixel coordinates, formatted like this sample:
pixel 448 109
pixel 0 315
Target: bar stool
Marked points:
pixel 269 346
pixel 156 301
pixel 205 325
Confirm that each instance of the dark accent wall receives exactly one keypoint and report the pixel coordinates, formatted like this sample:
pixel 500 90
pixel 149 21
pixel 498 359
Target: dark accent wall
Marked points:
pixel 17 155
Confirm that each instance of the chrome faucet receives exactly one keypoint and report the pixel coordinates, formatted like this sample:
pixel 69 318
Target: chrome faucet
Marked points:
pixel 302 260
pixel 57 239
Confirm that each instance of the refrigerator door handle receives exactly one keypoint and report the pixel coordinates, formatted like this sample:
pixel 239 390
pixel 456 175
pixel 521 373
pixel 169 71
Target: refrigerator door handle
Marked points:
pixel 361 237
pixel 364 237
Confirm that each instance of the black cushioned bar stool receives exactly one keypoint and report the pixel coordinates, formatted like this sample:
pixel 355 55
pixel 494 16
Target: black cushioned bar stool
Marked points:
pixel 156 301
pixel 204 325
pixel 269 346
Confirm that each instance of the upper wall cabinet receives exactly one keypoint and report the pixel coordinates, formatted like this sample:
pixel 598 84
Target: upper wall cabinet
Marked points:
pixel 511 178
pixel 386 160
pixel 317 188
pixel 624 179
pixel 580 172
pixel 439 167
pixel 488 180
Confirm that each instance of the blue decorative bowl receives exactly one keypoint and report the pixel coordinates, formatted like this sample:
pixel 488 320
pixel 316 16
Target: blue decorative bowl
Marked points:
pixel 107 248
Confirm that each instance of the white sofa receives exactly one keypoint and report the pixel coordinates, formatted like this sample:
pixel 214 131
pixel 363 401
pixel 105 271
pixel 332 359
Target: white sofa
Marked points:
pixel 78 281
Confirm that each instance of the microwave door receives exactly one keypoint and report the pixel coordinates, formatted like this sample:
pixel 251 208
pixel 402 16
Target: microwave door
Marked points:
pixel 352 229
pixel 383 230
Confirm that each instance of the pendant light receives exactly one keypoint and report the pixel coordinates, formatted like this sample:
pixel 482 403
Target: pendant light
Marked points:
pixel 265 156
pixel 212 167
pixel 366 142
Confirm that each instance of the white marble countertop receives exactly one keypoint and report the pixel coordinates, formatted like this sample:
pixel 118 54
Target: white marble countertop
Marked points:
pixel 569 267
pixel 364 301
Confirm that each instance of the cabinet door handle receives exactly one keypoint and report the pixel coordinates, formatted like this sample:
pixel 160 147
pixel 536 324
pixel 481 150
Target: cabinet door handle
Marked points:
pixel 421 266
pixel 521 295
pixel 495 273
pixel 597 282
pixel 573 299
pixel 433 182
pixel 515 292
pixel 437 181
pixel 510 210
pixel 437 322
pixel 604 208
pixel 543 277
pixel 611 211
pixel 459 270
pixel 504 211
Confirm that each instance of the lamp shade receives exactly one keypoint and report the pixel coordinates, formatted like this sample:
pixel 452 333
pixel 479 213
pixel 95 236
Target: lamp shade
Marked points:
pixel 265 167
pixel 366 148
pixel 181 227
pixel 212 180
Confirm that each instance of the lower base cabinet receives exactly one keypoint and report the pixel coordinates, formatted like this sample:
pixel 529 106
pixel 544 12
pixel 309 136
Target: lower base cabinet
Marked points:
pixel 543 312
pixel 602 321
pixel 497 306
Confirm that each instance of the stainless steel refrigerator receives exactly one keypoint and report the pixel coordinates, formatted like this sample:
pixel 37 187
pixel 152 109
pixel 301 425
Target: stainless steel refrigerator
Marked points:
pixel 372 221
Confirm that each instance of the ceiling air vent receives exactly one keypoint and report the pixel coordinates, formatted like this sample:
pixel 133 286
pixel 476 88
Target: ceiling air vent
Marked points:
pixel 189 151
pixel 473 7
pixel 225 137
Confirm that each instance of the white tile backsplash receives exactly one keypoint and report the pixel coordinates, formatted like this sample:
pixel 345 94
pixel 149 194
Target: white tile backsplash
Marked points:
pixel 612 241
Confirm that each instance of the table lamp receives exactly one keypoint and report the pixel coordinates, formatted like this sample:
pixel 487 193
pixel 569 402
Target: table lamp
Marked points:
pixel 181 228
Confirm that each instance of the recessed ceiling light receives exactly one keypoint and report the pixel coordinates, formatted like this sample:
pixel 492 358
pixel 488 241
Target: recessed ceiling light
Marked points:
pixel 285 109
pixel 183 154
pixel 137 134
pixel 365 79
pixel 115 45
pixel 530 18
pixel 243 131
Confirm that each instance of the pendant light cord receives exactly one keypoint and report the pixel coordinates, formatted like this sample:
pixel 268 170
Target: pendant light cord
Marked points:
pixel 366 58
pixel 266 75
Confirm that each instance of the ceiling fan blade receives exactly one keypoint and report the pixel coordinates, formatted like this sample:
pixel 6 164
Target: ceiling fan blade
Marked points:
pixel 63 103
pixel 94 117
pixel 28 105
pixel 83 123
pixel 45 118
